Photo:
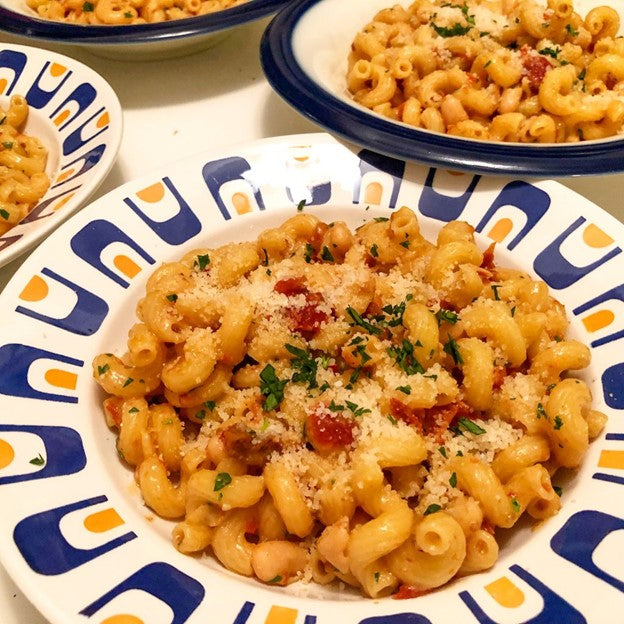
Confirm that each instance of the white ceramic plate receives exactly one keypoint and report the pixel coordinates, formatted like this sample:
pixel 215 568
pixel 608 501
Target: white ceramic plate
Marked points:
pixel 74 534
pixel 138 42
pixel 77 116
pixel 304 54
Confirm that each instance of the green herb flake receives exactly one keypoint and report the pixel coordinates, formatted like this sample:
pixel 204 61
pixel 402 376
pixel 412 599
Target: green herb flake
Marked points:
pixel 210 405
pixel 265 262
pixel 466 424
pixel 457 30
pixel 103 369
pixel 393 420
pixel 404 358
pixel 557 423
pixel 327 255
pixel 487 64
pixel 358 320
pixel 88 7
pixel 128 381
pixel 442 451
pixel 405 244
pixel 571 31
pixel 552 52
pixel 128 14
pixel 558 490
pixel 404 389
pixel 432 509
pixel 275 579
pixel 335 407
pixel 222 480
pixel 133 410
pixel 271 387
pixel 453 480
pixel 37 461
pixel 7 145
pixel 495 288
pixel 374 251
pixel 381 219
pixel 308 253
pixel 4 213
pixel 356 410
pixel 306 366
pixel 172 297
pixel 516 505
pixel 447 316
pixel 168 421
pixel 202 261
pixel 200 415
pixel 541 412
pixel 453 350
pixel 301 205
pixel 513 311
pixel 581 76
pixel 376 576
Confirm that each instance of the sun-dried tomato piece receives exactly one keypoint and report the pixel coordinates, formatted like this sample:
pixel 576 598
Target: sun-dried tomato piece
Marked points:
pixel 329 431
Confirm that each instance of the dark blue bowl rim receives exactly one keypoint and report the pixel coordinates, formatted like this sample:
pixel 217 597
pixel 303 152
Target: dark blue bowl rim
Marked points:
pixel 32 26
pixel 295 86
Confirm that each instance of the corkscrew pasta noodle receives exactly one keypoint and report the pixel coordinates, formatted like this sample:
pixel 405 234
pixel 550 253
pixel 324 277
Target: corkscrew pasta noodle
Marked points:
pixel 23 181
pixel 499 70
pixel 364 407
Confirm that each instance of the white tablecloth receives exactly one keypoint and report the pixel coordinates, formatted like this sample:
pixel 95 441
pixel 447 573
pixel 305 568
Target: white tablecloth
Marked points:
pixel 178 107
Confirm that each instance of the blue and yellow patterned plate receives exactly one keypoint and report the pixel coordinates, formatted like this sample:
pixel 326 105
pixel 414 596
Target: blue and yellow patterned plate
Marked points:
pixel 77 116
pixel 73 531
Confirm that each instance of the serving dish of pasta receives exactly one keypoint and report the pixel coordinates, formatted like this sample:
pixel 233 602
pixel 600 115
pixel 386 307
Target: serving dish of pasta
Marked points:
pixel 443 82
pixel 60 129
pixel 138 29
pixel 294 377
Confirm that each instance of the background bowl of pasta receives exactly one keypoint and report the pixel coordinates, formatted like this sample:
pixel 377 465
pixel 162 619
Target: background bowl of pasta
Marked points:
pixel 525 87
pixel 145 30
pixel 122 477
pixel 60 130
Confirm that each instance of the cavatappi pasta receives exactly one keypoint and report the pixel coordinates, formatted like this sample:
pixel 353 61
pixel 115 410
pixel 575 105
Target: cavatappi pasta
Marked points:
pixel 23 181
pixel 499 70
pixel 119 12
pixel 366 407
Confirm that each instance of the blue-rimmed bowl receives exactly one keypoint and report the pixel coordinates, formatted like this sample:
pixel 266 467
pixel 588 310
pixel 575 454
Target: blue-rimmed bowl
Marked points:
pixel 138 41
pixel 304 56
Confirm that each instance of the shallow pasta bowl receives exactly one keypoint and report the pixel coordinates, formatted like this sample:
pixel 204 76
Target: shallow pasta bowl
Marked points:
pixel 77 117
pixel 304 55
pixel 136 41
pixel 74 533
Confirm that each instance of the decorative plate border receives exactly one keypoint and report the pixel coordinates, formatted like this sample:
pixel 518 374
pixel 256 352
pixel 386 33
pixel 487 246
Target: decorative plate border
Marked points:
pixel 75 539
pixel 20 23
pixel 295 81
pixel 81 114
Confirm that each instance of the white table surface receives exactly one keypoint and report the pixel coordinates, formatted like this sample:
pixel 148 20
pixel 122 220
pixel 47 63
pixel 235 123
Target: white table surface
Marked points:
pixel 179 107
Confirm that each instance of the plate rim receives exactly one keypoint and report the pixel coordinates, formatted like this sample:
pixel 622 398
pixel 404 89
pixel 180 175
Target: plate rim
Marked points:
pixel 134 34
pixel 291 82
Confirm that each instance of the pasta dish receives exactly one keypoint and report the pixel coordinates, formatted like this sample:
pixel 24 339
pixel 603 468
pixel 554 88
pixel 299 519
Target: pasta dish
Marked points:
pixel 499 70
pixel 363 407
pixel 23 181
pixel 119 12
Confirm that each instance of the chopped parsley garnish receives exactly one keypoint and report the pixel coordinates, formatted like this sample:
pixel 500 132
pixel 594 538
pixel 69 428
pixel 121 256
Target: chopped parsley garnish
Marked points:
pixel 381 219
pixel 442 451
pixel 103 369
pixel 200 415
pixel 447 316
pixel 305 365
pixel 358 320
pixel 549 388
pixel 4 213
pixel 301 205
pixel 128 14
pixel 271 387
pixel 404 389
pixel 457 30
pixel 393 420
pixel 495 288
pixel 7 145
pixel 327 255
pixel 404 358
pixel 571 31
pixel 515 504
pixel 376 576
pixel 202 261
pixel 2 120
pixel 453 350
pixel 513 311
pixel 275 579
pixel 432 509
pixel 453 480
pixel 336 407
pixel 128 381
pixel 222 480
pixel 558 423
pixel 324 387
pixel 172 297
pixel 468 425
pixel 210 404
pixel 168 421
pixel 395 311
pixel 133 410
pixel 374 251
pixel 405 244
pixel 581 76
pixel 488 63
pixel 308 253
pixel 355 375
pixel 558 490
pixel 355 409
pixel 37 461
pixel 552 52
pixel 88 7
pixel 265 262
pixel 541 412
